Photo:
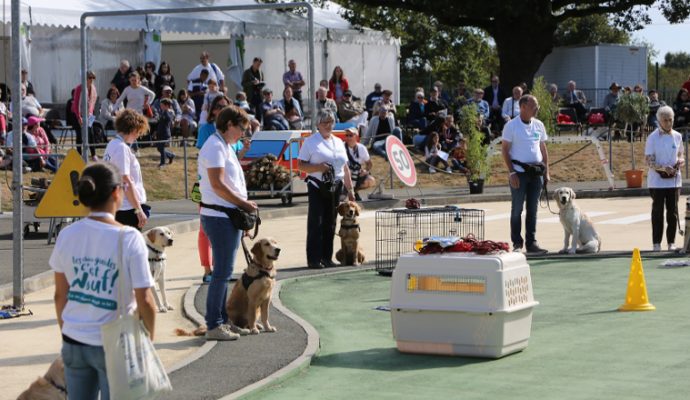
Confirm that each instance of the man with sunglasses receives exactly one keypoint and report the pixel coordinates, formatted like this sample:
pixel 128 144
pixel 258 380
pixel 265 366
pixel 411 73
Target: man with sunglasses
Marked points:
pixel 350 110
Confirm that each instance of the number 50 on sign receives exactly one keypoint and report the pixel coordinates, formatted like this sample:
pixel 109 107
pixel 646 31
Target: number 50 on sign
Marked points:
pixel 400 161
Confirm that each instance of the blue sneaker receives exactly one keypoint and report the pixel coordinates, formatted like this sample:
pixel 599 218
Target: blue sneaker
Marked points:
pixel 206 278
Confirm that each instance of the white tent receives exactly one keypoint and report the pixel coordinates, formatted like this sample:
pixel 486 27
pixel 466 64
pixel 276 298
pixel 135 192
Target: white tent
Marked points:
pixel 52 37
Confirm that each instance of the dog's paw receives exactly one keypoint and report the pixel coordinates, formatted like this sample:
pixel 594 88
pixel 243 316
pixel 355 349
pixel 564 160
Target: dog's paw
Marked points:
pixel 563 251
pixel 270 329
pixel 169 307
pixel 162 310
pixel 572 251
pixel 259 326
pixel 254 331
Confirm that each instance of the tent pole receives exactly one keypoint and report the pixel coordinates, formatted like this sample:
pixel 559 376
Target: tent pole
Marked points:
pixel 17 168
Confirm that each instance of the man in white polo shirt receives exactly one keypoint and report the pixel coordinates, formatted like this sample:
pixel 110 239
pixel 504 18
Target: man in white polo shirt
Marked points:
pixel 524 152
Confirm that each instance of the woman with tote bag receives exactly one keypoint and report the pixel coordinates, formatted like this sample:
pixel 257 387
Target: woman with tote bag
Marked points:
pixel 101 278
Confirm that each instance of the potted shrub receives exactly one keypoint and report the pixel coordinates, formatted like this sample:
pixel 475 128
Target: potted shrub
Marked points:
pixel 632 110
pixel 476 153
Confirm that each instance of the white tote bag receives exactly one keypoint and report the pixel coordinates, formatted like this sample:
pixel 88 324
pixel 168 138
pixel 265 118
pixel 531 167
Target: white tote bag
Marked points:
pixel 132 365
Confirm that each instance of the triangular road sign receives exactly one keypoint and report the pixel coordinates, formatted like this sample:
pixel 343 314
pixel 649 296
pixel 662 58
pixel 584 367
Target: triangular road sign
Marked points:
pixel 61 199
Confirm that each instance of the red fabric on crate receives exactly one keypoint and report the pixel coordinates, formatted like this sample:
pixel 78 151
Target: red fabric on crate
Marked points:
pixel 564 119
pixel 467 244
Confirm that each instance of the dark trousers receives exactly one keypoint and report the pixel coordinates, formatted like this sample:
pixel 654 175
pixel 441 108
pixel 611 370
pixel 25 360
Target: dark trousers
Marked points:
pixel 129 218
pixel 664 197
pixel 528 192
pixel 165 154
pixel 92 150
pixel 320 226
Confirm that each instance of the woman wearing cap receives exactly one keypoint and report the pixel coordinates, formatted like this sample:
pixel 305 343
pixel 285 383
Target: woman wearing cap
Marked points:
pixel 359 162
pixel 91 98
pixel 129 125
pixel 324 158
pixel 664 155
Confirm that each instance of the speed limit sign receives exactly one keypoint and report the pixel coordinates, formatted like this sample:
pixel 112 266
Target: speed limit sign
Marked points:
pixel 400 161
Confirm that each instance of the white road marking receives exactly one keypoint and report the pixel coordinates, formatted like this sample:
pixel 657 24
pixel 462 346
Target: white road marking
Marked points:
pixel 592 214
pixel 628 220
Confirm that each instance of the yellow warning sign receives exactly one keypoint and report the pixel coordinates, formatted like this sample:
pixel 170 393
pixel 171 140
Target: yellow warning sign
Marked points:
pixel 61 199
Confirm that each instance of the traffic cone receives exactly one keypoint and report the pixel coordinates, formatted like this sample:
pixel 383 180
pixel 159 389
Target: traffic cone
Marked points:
pixel 636 297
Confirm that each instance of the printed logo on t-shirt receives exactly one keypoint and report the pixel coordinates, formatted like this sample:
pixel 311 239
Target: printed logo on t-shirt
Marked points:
pixel 94 279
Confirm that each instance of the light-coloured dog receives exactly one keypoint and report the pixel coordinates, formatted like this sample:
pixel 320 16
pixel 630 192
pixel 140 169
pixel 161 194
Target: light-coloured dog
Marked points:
pixel 350 252
pixel 250 298
pixel 50 386
pixel 157 240
pixel 576 224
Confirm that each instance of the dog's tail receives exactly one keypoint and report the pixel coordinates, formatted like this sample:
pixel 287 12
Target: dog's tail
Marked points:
pixel 200 331
pixel 599 240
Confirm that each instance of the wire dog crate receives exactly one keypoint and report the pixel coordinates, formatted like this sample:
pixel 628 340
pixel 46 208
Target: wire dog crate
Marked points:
pixel 398 229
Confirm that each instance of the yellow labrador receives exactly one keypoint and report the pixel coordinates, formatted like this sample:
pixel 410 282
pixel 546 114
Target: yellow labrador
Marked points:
pixel 50 386
pixel 157 239
pixel 576 224
pixel 350 252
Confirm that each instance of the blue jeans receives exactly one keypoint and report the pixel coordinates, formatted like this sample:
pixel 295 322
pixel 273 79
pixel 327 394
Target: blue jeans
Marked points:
pixel 225 239
pixel 379 146
pixel 529 190
pixel 165 154
pixel 85 371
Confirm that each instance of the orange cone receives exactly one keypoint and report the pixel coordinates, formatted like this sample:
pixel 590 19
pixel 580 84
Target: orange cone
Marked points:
pixel 636 297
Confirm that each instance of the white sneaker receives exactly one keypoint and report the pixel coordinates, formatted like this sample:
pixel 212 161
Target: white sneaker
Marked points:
pixel 432 170
pixel 94 158
pixel 449 170
pixel 221 333
pixel 657 247
pixel 672 247
pixel 236 329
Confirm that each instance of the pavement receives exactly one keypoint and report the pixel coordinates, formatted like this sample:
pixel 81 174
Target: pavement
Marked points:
pixel 201 370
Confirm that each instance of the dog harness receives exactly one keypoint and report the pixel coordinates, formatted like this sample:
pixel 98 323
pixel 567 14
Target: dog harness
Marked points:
pixel 353 226
pixel 158 253
pixel 248 280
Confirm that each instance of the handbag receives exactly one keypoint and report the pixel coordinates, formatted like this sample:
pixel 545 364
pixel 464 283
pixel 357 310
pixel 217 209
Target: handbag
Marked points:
pixel 148 111
pixel 242 220
pixel 133 368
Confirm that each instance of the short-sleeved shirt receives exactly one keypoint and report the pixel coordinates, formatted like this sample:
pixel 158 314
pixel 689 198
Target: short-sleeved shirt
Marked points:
pixel 317 150
pixel 121 155
pixel 214 72
pixel 525 140
pixel 289 77
pixel 359 153
pixel 87 253
pixel 206 130
pixel 217 153
pixel 665 149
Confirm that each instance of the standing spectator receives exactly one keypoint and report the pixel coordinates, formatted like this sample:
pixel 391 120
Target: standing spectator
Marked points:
pixel 91 98
pixel 165 78
pixel 664 155
pixel 654 105
pixel 292 108
pixel 358 162
pixel 324 158
pixel 87 292
pixel 681 107
pixel 136 95
pixel 197 89
pixel 576 99
pixel 494 96
pixel 26 82
pixel 208 127
pixel 372 98
pixel 432 154
pixel 151 76
pixel 121 78
pixel 187 122
pixel 511 105
pixel 352 111
pixel 33 125
pixel 222 186
pixel 129 124
pixel 164 127
pixel 323 102
pixel 338 84
pixel 611 100
pixel 294 80
pixel 4 116
pixel 416 114
pixel 211 93
pixel 271 115
pixel 108 111
pixel 380 127
pixel 524 144
pixel 252 83
pixel 214 72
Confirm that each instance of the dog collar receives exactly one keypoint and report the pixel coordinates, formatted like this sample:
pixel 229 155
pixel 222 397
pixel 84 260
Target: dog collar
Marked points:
pixel 61 388
pixel 157 259
pixel 353 226
pixel 154 250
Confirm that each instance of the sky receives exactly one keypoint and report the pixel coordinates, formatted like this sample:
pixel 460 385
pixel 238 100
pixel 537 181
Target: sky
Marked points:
pixel 664 36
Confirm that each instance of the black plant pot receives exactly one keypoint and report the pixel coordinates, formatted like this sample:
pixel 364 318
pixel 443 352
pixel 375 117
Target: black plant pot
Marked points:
pixel 477 186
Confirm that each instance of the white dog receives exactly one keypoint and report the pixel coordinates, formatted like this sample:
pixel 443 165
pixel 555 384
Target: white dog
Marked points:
pixel 576 223
pixel 157 239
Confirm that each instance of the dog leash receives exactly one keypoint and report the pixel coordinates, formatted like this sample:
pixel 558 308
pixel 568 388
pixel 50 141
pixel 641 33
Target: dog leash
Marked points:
pixel 545 194
pixel 247 257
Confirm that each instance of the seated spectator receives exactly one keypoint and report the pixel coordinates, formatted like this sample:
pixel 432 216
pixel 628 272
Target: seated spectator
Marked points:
pixel 481 104
pixel 372 98
pixel 511 105
pixel 442 94
pixel 385 101
pixel 576 99
pixel 187 122
pixel 4 117
pixel 197 89
pixel 457 157
pixel 359 162
pixel 350 110
pixel 323 102
pixel 337 85
pixel 416 115
pixel 108 111
pixel 121 79
pixel 462 95
pixel 380 127
pixel 212 92
pixel 611 100
pixel 150 76
pixel 30 106
pixel 167 93
pixel 553 92
pixel 686 84
pixel 272 116
pixel 208 127
pixel 448 134
pixel 241 102
pixel 293 111
pixel 33 125
pixel 26 82
pixel 681 108
pixel 432 154
pixel 30 153
pixel 654 105
pixel 436 107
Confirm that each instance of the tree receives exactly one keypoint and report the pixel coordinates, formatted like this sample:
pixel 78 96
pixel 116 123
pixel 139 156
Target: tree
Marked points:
pixel 589 30
pixel 524 31
pixel 680 60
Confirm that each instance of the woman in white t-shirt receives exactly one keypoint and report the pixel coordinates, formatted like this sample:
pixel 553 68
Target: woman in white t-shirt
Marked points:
pixel 222 186
pixel 664 155
pixel 88 279
pixel 322 154
pixel 129 125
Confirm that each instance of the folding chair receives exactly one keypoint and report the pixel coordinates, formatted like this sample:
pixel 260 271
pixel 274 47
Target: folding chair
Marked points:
pixel 566 120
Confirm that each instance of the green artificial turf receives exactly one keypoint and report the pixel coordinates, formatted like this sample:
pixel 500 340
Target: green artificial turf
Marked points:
pixel 580 347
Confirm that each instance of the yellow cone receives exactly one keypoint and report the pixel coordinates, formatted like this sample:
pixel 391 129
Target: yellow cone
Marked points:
pixel 636 298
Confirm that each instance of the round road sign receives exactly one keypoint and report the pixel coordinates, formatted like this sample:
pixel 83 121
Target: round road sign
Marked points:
pixel 401 161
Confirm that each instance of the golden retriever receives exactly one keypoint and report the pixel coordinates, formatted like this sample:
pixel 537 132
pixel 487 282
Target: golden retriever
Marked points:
pixel 157 239
pixel 350 252
pixel 251 294
pixel 576 223
pixel 50 386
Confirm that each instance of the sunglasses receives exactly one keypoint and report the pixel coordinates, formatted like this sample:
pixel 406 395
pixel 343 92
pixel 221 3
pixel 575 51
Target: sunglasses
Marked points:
pixel 349 135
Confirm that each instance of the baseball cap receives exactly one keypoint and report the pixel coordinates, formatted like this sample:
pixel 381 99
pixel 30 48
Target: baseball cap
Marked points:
pixel 32 120
pixel 352 130
pixel 167 88
pixel 347 92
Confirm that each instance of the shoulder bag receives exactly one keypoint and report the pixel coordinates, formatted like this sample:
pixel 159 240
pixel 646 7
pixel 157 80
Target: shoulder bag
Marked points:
pixel 242 220
pixel 133 368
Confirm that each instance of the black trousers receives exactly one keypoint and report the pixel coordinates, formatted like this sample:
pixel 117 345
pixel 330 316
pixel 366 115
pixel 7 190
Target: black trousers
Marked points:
pixel 320 225
pixel 77 132
pixel 664 197
pixel 129 218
